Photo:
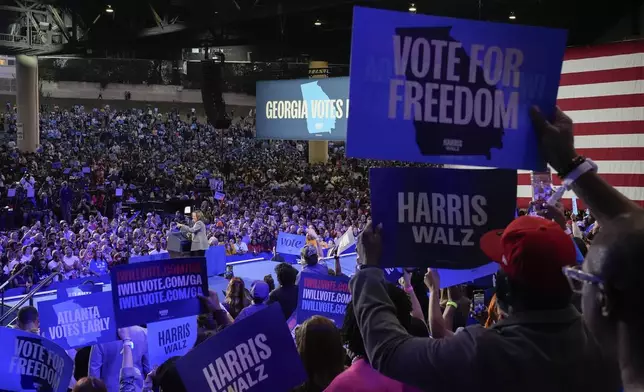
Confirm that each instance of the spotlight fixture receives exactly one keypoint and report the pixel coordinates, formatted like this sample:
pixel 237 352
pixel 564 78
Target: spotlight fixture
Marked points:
pixel 412 7
pixel 318 22
pixel 512 16
pixel 109 9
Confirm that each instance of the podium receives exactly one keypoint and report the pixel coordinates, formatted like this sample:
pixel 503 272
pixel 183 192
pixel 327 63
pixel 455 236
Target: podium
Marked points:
pixel 178 245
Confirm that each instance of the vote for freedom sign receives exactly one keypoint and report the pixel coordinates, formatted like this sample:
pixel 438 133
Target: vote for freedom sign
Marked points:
pixel 158 290
pixel 323 295
pixel 435 217
pixel 455 91
pixel 78 321
pixel 32 363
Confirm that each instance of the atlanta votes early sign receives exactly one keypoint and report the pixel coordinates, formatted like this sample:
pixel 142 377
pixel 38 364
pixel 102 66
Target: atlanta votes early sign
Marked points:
pixel 78 321
pixel 442 90
pixel 435 217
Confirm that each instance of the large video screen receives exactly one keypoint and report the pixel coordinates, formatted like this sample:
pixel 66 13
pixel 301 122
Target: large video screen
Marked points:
pixel 303 109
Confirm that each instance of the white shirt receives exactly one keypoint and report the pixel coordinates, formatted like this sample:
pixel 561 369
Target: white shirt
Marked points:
pixel 71 260
pixel 13 263
pixel 241 247
pixel 158 252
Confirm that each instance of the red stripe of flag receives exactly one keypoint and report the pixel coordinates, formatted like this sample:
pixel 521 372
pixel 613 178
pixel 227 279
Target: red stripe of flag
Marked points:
pixel 609 128
pixel 632 180
pixel 604 76
pixel 613 153
pixel 627 47
pixel 608 102
pixel 524 202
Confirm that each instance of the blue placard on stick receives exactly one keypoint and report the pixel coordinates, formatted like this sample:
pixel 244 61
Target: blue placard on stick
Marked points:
pixel 80 290
pixel 170 338
pixel 455 91
pixel 158 290
pixel 256 354
pixel 78 321
pixel 32 363
pixel 435 217
pixel 323 295
pixel 290 244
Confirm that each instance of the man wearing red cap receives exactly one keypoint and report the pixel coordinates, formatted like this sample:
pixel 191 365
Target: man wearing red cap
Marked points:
pixel 531 252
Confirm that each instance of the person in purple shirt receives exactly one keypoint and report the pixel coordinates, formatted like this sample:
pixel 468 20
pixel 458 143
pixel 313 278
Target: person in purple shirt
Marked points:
pixel 311 263
pixel 259 292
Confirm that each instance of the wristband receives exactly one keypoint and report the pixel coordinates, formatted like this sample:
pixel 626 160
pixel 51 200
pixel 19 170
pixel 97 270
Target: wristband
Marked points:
pixel 408 289
pixel 128 342
pixel 586 166
pixel 578 160
pixel 452 304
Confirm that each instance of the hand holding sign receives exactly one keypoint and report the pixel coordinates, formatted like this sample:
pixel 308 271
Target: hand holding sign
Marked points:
pixel 433 281
pixel 369 245
pixel 211 302
pixel 555 138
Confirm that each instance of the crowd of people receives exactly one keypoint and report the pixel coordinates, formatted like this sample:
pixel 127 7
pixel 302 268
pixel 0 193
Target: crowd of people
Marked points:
pixel 550 326
pixel 100 187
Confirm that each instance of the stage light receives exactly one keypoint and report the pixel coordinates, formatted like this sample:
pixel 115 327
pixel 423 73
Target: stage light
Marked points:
pixel 412 7
pixel 512 16
pixel 318 22
pixel 109 9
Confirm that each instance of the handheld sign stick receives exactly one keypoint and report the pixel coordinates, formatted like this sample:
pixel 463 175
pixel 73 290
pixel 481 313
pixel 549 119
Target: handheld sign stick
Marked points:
pixel 556 196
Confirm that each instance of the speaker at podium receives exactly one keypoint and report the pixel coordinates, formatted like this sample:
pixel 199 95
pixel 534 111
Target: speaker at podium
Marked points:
pixel 178 244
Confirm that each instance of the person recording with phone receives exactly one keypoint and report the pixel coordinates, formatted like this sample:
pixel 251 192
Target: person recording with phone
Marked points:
pixel 197 233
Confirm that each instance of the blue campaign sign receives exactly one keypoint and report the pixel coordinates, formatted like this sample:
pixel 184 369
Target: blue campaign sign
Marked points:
pixel 77 291
pixel 32 363
pixel 450 277
pixel 303 109
pixel 158 290
pixel 146 258
pixel 435 217
pixel 170 338
pixel 323 295
pixel 216 260
pixel 78 321
pixel 256 354
pixel 454 91
pixel 290 244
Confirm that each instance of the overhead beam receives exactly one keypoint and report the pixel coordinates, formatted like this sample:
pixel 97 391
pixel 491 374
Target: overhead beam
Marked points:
pixel 59 22
pixel 155 15
pixel 152 31
pixel 21 9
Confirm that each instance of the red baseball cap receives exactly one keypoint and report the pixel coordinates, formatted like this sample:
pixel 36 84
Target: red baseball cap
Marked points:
pixel 532 251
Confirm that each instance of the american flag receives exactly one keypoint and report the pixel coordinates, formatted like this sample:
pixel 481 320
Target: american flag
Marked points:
pixel 602 90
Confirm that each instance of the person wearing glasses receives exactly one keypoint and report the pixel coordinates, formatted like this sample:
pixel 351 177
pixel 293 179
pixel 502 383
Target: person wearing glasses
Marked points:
pixel 612 276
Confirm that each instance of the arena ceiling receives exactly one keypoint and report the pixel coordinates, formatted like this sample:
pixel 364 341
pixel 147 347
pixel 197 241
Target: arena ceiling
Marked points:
pixel 287 28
